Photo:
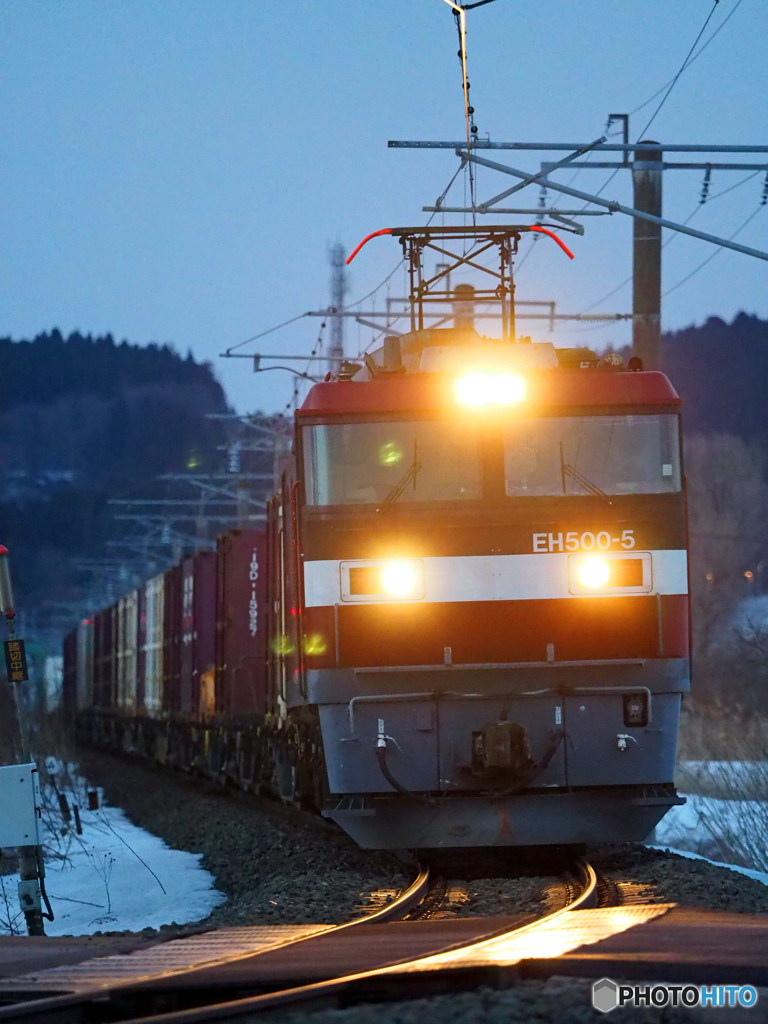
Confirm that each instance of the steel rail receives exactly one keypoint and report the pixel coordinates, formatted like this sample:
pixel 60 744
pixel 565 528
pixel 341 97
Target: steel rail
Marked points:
pixel 254 1005
pixel 65 1007
pixel 399 907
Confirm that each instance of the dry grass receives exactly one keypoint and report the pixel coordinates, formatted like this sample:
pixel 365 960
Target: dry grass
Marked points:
pixel 724 761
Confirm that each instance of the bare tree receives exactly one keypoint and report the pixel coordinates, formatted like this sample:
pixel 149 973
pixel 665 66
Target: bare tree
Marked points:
pixel 727 502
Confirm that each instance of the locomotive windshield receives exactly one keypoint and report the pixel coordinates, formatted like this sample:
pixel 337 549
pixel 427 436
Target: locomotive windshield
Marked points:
pixel 592 454
pixel 365 463
pixel 440 460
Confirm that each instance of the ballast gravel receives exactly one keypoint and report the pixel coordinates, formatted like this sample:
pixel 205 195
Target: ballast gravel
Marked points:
pixel 492 897
pixel 558 999
pixel 275 867
pixel 670 878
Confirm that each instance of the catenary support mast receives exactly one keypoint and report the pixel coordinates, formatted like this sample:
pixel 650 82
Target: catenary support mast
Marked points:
pixel 646 258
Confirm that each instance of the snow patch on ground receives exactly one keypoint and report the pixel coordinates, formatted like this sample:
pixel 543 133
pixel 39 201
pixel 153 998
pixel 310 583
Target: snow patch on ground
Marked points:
pixel 113 877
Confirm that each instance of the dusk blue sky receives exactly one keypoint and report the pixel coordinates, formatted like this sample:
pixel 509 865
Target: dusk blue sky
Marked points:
pixel 174 171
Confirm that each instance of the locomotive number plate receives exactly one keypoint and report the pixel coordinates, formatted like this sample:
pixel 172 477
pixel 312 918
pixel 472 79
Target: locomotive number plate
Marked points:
pixel 586 540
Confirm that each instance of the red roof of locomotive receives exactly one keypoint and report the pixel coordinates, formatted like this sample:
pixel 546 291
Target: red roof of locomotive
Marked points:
pixel 546 389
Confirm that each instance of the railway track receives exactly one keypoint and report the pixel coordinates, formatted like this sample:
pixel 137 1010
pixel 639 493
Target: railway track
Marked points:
pixel 441 947
pixel 57 1008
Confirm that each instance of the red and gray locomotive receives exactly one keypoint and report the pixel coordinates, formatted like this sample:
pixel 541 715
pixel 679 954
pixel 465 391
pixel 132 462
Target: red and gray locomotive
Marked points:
pixel 475 622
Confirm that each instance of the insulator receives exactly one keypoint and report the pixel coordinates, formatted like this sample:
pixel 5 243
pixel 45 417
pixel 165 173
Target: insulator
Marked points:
pixel 705 185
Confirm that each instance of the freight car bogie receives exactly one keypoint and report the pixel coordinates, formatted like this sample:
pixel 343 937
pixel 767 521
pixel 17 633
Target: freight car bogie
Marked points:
pixel 280 760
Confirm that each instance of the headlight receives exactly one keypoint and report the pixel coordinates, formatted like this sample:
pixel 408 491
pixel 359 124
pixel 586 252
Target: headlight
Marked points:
pixel 490 389
pixel 593 572
pixel 380 579
pixel 398 579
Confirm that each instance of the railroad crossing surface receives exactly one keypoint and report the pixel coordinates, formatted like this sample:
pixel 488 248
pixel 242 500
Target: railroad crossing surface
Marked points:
pixel 660 942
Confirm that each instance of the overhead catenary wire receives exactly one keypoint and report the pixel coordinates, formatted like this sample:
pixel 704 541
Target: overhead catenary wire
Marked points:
pixel 688 63
pixel 263 334
pixel 683 66
pixel 675 235
pixel 669 88
pixel 683 280
pixel 712 255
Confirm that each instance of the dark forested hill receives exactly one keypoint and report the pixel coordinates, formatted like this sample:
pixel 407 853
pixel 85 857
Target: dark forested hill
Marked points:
pixel 89 411
pixel 721 370
pixel 50 366
pixel 84 419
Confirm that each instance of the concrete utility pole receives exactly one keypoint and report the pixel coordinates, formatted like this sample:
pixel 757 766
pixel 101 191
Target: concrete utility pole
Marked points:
pixel 339 287
pixel 645 159
pixel 646 257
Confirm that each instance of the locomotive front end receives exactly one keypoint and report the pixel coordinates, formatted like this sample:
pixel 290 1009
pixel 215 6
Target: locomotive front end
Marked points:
pixel 495 610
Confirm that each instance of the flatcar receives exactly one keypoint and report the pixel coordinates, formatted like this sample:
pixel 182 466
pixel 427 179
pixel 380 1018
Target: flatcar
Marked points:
pixel 467 624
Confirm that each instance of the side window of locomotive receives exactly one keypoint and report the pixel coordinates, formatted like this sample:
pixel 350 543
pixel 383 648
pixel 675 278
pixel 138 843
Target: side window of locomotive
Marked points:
pixel 591 454
pixel 368 463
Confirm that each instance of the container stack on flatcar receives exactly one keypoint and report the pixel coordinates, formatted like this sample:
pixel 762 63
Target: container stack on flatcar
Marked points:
pixel 143 675
pixel 466 623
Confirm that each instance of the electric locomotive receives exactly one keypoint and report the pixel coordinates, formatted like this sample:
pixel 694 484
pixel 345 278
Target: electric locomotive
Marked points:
pixel 467 625
pixel 479 586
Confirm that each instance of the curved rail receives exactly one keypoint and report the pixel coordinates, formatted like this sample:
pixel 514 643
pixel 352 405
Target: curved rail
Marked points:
pixel 399 907
pixel 250 1007
pixel 587 897
pixel 50 1008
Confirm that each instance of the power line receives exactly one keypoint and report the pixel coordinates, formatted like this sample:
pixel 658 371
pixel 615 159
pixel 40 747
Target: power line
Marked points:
pixel 730 188
pixel 696 56
pixel 381 284
pixel 673 83
pixel 674 235
pixel 263 334
pixel 712 255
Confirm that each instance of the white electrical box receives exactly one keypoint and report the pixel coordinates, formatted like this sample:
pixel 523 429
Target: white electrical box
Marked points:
pixel 19 805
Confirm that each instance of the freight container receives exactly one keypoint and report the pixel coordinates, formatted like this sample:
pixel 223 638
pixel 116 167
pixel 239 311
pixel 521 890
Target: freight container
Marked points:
pixel 126 652
pixel 141 645
pixel 84 691
pixel 186 653
pixel 153 645
pixel 241 626
pixel 198 629
pixel 172 629
pixel 103 660
pixel 69 677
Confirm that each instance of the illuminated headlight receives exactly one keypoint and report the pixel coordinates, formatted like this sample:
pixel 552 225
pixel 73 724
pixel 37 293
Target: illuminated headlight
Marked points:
pixel 490 389
pixel 398 579
pixel 593 572
pixel 612 572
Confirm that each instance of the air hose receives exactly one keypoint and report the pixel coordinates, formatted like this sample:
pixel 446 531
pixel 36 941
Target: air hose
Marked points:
pixel 381 757
pixel 557 738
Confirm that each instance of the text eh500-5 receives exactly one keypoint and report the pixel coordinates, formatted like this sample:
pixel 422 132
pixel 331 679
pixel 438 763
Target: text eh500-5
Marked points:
pixel 572 540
